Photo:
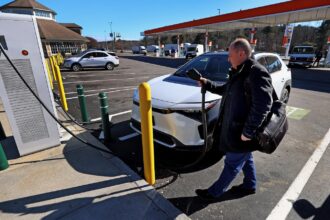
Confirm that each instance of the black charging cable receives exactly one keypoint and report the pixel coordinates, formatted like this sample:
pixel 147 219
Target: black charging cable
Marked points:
pixel 195 75
pixel 45 107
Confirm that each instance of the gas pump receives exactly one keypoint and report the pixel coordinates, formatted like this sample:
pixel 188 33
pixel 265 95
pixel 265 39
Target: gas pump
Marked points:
pixel 33 128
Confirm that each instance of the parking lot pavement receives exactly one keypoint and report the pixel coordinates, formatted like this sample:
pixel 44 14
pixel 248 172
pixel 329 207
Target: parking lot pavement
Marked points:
pixel 308 123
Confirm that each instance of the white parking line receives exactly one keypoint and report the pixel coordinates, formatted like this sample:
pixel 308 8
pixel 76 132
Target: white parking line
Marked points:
pixel 95 94
pixel 110 74
pixel 113 115
pixel 102 80
pixel 129 136
pixel 284 206
pixel 107 89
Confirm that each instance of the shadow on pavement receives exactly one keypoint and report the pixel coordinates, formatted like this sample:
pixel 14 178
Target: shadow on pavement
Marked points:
pixel 311 79
pixel 305 209
pixel 168 161
pixel 84 201
pixel 190 205
pixel 168 62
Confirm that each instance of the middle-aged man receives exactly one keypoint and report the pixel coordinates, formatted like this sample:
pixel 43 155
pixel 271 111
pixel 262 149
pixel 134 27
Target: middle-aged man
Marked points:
pixel 246 100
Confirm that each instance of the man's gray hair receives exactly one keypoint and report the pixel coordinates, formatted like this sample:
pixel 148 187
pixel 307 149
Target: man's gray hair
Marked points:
pixel 242 44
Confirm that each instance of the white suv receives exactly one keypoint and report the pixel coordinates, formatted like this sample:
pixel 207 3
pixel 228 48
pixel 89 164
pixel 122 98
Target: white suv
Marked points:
pixel 176 99
pixel 92 59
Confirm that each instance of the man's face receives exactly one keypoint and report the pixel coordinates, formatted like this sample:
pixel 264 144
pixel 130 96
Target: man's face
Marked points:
pixel 236 57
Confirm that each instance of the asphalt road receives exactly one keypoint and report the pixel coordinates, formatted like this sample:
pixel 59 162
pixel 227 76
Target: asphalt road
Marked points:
pixel 308 124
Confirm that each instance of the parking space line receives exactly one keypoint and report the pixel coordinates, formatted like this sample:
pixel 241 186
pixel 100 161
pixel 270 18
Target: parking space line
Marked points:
pixel 113 115
pixel 91 81
pixel 129 136
pixel 283 207
pixel 110 74
pixel 107 89
pixel 96 94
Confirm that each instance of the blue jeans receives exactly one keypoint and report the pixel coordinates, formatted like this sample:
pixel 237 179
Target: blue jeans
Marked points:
pixel 234 163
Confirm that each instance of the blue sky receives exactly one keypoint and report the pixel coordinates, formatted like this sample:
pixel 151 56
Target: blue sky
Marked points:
pixel 130 17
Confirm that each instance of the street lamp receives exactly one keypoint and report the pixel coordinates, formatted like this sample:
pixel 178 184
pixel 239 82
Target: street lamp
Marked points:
pixel 112 35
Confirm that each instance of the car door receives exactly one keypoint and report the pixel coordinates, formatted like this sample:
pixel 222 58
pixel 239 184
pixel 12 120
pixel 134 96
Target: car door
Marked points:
pixel 101 59
pixel 88 60
pixel 274 67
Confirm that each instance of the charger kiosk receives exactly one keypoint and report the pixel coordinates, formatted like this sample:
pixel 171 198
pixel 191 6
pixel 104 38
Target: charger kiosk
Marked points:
pixel 33 128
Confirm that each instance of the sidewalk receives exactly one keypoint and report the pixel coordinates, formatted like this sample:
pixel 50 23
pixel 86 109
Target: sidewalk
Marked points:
pixel 74 181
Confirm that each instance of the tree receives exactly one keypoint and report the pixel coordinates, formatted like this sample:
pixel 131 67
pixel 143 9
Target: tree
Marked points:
pixel 92 43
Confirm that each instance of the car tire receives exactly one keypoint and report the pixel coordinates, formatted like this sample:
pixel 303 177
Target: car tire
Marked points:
pixel 109 66
pixel 76 67
pixel 285 95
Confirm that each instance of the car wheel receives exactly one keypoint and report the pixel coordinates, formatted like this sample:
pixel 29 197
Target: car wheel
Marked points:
pixel 109 66
pixel 76 67
pixel 285 96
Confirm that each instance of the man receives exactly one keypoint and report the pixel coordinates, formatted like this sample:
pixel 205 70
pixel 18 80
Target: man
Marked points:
pixel 246 100
pixel 318 57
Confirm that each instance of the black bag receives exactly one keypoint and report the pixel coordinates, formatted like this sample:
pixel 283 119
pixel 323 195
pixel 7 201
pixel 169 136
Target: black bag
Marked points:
pixel 274 127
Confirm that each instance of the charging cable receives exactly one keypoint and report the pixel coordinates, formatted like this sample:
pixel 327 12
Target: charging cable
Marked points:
pixel 45 107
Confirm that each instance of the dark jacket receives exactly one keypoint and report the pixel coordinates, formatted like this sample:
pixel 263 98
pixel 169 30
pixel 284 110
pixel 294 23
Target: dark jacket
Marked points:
pixel 246 100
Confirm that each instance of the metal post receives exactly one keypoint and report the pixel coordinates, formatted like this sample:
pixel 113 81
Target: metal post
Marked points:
pixel 178 46
pixel 2 133
pixel 206 40
pixel 3 159
pixel 53 67
pixel 82 103
pixel 147 133
pixel 105 116
pixel 61 88
pixel 49 75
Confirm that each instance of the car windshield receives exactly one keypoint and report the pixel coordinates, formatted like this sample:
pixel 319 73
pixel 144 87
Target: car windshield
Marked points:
pixel 213 67
pixel 191 48
pixel 303 50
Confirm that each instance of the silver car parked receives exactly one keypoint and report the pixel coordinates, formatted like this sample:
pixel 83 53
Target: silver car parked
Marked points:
pixel 176 99
pixel 92 59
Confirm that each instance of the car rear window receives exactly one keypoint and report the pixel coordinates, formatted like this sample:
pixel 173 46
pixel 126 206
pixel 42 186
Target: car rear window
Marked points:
pixel 273 64
pixel 303 50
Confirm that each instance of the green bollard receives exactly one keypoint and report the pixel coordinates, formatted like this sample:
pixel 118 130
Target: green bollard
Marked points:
pixel 2 133
pixel 105 116
pixel 3 159
pixel 82 103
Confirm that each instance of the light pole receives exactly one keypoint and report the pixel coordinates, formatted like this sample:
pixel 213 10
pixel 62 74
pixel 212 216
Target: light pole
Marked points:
pixel 105 39
pixel 112 35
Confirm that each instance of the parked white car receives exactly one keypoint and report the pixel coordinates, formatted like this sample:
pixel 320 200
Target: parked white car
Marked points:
pixel 92 59
pixel 176 99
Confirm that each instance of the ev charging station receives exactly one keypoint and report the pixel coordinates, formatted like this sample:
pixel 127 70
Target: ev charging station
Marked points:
pixel 33 128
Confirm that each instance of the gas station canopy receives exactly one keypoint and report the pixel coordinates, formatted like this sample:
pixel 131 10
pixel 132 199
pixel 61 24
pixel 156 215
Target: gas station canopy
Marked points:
pixel 270 15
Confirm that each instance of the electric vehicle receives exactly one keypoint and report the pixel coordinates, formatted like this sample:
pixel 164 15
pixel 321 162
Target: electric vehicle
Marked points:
pixel 91 59
pixel 176 99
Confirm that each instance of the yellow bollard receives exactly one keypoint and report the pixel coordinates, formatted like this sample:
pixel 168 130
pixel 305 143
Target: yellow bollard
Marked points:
pixel 49 76
pixel 54 60
pixel 147 133
pixel 52 67
pixel 61 88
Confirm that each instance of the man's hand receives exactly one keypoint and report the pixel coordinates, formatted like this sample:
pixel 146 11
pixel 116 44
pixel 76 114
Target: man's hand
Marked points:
pixel 202 81
pixel 243 138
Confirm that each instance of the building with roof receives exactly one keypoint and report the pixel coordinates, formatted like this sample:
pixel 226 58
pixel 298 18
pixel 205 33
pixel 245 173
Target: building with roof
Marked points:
pixel 55 37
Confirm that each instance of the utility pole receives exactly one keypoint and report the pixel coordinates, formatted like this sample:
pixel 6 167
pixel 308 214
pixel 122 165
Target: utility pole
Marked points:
pixel 219 11
pixel 112 35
